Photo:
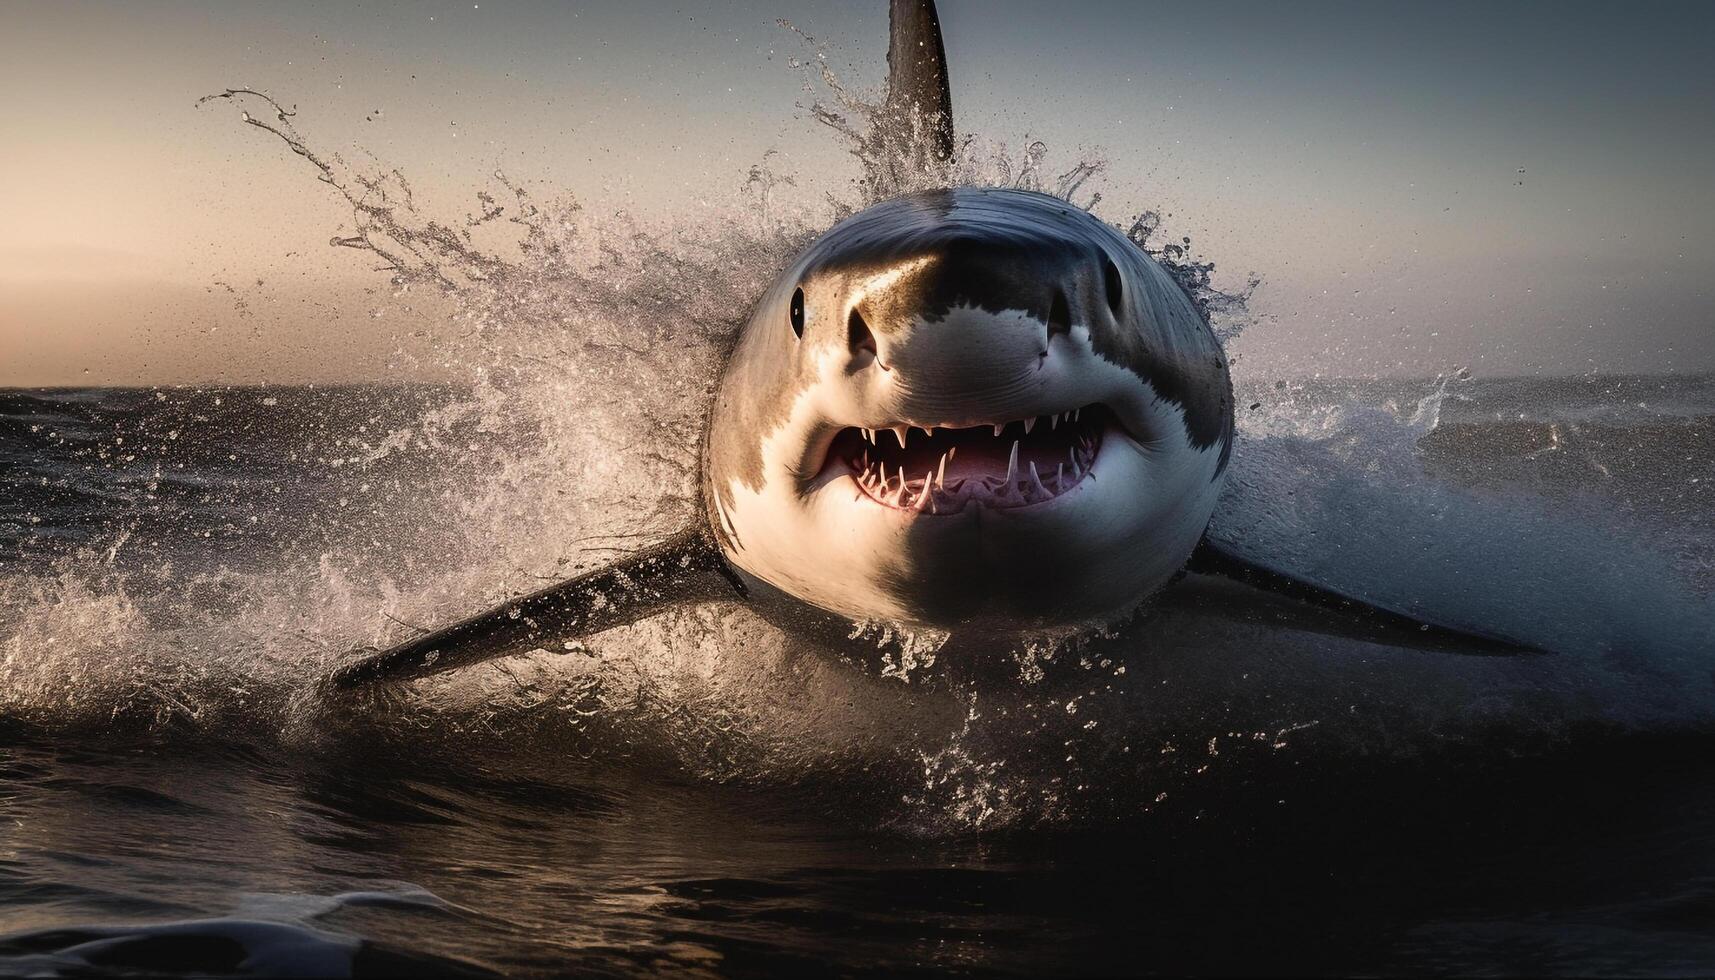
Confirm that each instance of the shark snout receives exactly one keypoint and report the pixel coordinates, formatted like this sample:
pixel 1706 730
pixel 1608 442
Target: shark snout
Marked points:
pixel 968 362
pixel 966 332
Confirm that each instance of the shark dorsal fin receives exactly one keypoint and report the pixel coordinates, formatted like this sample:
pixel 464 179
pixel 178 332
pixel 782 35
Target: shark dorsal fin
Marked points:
pixel 911 142
pixel 918 95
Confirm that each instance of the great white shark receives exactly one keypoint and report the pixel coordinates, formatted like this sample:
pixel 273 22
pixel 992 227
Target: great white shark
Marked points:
pixel 971 410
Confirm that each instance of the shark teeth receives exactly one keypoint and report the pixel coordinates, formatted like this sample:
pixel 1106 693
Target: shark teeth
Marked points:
pixel 994 464
pixel 1036 481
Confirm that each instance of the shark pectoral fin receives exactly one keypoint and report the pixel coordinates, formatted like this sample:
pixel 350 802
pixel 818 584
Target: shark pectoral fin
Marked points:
pixel 1368 619
pixel 685 568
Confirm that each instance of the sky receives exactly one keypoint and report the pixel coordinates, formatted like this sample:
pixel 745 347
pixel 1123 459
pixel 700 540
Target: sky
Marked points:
pixel 1509 187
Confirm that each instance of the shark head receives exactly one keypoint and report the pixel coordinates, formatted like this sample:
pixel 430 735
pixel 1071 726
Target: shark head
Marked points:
pixel 967 406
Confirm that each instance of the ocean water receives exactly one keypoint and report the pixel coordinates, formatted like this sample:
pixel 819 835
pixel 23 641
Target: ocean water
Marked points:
pixel 1227 784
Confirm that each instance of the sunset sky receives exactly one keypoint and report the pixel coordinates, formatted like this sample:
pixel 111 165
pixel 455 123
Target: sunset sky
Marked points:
pixel 1518 188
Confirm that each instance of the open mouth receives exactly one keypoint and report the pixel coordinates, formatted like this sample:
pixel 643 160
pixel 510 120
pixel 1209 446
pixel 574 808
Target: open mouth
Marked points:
pixel 939 470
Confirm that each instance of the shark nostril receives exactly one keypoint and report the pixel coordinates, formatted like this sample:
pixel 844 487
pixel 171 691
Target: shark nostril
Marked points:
pixel 1116 288
pixel 858 336
pixel 1059 315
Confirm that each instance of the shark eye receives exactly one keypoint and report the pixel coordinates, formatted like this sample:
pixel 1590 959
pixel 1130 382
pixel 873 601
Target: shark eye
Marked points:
pixel 798 312
pixel 1116 289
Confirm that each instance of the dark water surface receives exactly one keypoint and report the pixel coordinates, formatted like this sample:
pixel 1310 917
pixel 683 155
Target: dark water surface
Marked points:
pixel 1202 793
pixel 1594 865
